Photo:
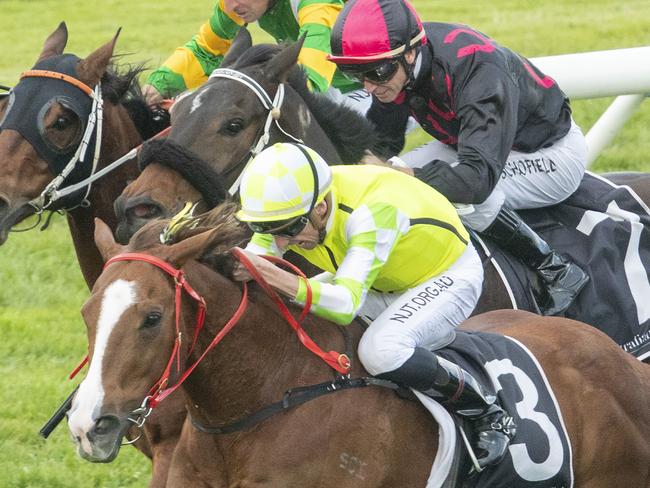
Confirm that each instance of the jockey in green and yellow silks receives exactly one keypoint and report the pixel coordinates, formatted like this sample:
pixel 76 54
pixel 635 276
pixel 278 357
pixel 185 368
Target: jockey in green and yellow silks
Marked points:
pixel 286 20
pixel 395 253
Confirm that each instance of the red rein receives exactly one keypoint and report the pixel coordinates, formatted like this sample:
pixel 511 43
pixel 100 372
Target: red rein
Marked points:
pixel 339 362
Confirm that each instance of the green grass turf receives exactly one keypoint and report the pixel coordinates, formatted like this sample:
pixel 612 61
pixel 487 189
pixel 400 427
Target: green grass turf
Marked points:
pixel 42 290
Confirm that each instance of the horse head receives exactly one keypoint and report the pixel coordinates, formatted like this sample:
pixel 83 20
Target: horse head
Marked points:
pixel 170 176
pixel 237 111
pixel 43 123
pixel 131 324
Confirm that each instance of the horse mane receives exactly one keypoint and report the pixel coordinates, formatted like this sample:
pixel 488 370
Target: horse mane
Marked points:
pixel 229 232
pixel 120 87
pixel 349 131
pixel 192 168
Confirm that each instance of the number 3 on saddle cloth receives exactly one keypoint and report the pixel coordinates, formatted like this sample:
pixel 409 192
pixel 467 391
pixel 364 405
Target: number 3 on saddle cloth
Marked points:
pixel 540 455
pixel 605 229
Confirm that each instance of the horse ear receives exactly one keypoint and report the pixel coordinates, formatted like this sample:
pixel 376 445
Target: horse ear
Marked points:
pixel 91 69
pixel 105 241
pixel 240 44
pixel 191 248
pixel 278 68
pixel 55 43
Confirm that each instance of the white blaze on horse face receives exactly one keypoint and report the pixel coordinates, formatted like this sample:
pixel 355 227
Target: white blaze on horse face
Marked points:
pixel 304 116
pixel 87 404
pixel 198 100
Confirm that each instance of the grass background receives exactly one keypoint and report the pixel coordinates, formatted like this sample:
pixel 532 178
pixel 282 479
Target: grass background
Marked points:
pixel 41 331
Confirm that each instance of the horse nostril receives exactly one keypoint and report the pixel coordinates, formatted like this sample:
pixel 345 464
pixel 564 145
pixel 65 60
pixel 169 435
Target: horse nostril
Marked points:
pixel 105 425
pixel 145 211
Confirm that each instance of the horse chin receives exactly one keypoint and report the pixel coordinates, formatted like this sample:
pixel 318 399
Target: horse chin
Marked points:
pixel 12 216
pixel 100 454
pixel 102 448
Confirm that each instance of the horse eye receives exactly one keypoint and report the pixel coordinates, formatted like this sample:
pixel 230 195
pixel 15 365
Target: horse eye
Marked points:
pixel 151 320
pixel 232 127
pixel 61 123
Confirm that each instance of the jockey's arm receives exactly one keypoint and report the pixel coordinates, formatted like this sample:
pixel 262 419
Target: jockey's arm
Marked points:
pixel 487 110
pixel 190 65
pixel 373 232
pixel 316 21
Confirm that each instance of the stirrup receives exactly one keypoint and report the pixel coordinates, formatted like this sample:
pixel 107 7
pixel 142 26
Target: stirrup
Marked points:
pixel 491 437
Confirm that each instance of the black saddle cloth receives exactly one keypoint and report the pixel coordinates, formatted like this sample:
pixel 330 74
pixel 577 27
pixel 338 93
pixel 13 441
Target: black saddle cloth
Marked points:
pixel 540 454
pixel 605 229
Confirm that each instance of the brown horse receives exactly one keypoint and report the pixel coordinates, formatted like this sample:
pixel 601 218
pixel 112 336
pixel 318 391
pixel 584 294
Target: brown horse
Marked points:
pixel 223 121
pixel 363 438
pixel 56 127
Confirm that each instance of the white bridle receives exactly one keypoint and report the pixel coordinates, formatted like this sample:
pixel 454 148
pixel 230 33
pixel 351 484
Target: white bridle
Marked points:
pixel 273 106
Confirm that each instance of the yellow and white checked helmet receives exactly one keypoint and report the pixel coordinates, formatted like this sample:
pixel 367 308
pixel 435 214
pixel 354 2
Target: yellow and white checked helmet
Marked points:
pixel 279 182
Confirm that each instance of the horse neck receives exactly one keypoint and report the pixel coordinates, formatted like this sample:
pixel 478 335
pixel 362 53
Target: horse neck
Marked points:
pixel 301 122
pixel 119 136
pixel 258 360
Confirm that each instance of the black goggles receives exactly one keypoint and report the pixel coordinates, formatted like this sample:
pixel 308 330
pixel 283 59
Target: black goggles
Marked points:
pixel 381 73
pixel 282 228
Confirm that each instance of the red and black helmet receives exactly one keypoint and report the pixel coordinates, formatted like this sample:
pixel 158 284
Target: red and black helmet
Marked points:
pixel 373 31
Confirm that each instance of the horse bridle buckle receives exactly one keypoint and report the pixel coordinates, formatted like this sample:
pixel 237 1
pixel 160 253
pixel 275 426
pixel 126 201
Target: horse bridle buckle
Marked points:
pixel 141 413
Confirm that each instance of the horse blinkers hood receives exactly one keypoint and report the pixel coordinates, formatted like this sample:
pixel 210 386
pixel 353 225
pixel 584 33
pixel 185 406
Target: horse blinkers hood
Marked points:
pixel 29 102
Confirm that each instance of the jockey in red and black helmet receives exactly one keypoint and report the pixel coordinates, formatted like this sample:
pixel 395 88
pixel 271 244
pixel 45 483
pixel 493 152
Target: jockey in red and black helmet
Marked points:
pixel 373 37
pixel 505 138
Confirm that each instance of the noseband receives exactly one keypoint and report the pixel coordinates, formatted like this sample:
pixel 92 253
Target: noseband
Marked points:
pixel 274 112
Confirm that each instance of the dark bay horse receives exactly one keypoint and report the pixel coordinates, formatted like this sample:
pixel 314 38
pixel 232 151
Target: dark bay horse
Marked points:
pixel 47 121
pixel 224 120
pixel 356 438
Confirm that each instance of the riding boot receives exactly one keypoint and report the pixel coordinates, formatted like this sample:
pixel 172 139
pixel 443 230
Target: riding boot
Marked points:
pixel 460 392
pixel 563 278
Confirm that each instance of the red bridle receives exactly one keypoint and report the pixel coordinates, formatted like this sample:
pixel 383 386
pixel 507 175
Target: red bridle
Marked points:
pixel 160 391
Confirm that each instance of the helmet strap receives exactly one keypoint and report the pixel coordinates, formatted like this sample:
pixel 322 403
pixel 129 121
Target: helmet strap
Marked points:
pixel 409 68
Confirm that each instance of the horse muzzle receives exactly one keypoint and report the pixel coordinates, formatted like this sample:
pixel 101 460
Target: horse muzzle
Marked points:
pixel 10 215
pixel 101 442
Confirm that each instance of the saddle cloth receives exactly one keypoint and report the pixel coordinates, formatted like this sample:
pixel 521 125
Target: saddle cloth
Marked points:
pixel 540 454
pixel 605 229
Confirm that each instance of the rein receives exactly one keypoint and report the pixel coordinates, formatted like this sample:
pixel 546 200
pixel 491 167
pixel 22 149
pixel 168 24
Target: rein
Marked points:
pixel 160 390
pixel 274 113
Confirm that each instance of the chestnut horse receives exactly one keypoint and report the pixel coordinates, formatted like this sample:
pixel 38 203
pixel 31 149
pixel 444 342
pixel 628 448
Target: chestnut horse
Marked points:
pixel 132 324
pixel 58 125
pixel 223 121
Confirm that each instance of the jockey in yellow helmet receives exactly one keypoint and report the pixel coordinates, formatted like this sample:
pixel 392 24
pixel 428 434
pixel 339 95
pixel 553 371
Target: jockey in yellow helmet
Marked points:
pixel 404 264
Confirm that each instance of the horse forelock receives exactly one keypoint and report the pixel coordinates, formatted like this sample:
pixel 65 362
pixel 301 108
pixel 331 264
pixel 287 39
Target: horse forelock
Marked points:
pixel 230 231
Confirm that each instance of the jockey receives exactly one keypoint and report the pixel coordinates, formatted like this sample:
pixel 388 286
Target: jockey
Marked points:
pixel 404 264
pixel 505 138
pixel 190 65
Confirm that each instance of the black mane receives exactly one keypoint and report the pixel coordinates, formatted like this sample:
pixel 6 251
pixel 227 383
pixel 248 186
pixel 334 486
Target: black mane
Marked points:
pixel 192 168
pixel 120 87
pixel 349 131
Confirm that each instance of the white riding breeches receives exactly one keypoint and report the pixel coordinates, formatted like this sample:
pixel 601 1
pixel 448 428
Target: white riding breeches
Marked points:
pixel 529 180
pixel 424 316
